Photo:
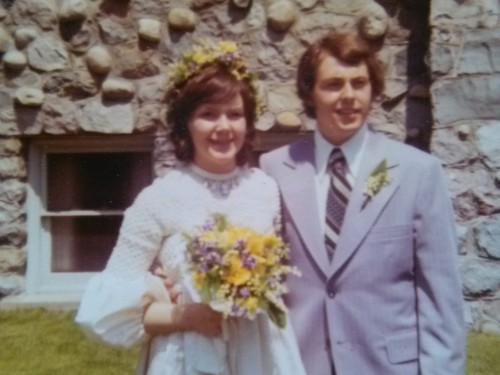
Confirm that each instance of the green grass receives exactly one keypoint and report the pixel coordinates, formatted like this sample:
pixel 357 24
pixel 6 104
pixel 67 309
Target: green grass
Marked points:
pixel 483 354
pixel 40 342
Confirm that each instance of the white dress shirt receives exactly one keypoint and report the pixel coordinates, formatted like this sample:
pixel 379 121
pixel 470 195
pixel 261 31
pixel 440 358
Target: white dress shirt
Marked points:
pixel 353 150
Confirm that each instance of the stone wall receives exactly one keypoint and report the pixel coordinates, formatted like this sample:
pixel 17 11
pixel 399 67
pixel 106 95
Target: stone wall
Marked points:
pixel 74 67
pixel 465 66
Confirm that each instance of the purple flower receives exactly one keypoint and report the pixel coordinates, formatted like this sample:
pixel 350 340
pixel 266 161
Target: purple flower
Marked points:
pixel 206 248
pixel 248 261
pixel 244 292
pixel 208 226
pixel 240 244
pixel 214 257
pixel 203 267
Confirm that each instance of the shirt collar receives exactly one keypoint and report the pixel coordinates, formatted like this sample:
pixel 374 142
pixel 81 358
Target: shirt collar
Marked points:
pixel 352 150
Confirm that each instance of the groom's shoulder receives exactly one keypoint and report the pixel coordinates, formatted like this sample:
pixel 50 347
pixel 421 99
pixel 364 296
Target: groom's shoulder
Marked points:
pixel 288 151
pixel 407 154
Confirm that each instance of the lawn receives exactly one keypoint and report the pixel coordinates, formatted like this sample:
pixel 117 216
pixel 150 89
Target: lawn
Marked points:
pixel 40 342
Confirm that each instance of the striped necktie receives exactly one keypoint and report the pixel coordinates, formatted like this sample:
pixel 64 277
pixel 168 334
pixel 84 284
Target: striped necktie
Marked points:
pixel 338 197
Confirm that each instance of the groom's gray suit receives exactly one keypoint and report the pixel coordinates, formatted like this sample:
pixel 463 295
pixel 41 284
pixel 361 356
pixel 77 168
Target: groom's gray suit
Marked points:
pixel 390 301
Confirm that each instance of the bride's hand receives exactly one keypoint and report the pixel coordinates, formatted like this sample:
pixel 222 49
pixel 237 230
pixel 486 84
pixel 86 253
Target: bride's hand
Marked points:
pixel 169 283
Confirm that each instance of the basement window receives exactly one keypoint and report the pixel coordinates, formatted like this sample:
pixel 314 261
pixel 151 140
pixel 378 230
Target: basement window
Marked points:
pixel 79 190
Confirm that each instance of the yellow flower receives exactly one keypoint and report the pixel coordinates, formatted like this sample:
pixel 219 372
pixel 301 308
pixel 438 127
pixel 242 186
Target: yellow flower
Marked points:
pixel 209 237
pixel 237 274
pixel 198 279
pixel 271 242
pixel 251 303
pixel 256 245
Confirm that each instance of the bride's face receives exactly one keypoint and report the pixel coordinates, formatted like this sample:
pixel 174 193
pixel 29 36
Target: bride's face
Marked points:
pixel 218 132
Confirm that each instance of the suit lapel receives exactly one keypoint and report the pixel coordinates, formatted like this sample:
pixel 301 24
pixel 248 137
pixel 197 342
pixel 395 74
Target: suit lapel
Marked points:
pixel 360 217
pixel 299 193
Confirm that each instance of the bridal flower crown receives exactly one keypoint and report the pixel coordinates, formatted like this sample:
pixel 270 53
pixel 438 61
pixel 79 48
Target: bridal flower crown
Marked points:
pixel 206 53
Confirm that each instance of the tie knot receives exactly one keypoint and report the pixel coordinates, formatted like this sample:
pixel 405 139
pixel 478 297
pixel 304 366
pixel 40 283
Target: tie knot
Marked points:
pixel 336 162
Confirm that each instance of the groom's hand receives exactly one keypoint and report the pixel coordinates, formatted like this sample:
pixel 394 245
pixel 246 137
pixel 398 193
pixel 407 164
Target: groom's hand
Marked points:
pixel 201 318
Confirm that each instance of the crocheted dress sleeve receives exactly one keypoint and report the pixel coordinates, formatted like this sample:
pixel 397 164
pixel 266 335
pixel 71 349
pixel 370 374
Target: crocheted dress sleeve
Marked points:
pixel 112 305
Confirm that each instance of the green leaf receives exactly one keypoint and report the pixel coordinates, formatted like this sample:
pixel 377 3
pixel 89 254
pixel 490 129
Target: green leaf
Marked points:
pixel 205 293
pixel 380 168
pixel 277 315
pixel 220 222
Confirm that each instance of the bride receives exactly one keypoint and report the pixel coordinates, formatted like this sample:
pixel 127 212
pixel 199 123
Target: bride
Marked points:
pixel 213 104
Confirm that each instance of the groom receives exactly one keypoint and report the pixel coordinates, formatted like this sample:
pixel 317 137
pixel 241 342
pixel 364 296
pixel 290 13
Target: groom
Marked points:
pixel 371 227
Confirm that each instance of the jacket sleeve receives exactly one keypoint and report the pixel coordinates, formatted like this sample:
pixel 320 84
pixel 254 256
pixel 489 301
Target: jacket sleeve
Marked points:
pixel 439 298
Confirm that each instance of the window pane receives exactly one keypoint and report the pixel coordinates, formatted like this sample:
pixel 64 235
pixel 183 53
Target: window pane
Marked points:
pixel 96 181
pixel 83 244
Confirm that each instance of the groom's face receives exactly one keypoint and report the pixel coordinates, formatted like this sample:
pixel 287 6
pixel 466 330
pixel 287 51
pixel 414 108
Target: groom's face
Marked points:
pixel 342 98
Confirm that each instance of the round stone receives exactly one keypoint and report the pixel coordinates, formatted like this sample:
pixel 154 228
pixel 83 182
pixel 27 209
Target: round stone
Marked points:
pixel 118 89
pixel 73 10
pixel 306 4
pixel 182 19
pixel 373 22
pixel 281 15
pixel 242 3
pixel 463 132
pixel 30 96
pixel 24 36
pixel 288 121
pixel 98 60
pixel 15 60
pixel 150 29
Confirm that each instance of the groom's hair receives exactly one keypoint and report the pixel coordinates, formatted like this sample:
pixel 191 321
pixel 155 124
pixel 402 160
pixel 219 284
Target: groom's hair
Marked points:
pixel 349 48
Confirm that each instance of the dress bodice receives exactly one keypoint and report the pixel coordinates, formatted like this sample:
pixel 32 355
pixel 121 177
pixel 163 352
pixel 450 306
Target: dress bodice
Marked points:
pixel 154 227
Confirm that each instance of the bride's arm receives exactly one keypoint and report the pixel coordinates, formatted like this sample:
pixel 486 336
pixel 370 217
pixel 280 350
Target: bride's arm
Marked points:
pixel 161 318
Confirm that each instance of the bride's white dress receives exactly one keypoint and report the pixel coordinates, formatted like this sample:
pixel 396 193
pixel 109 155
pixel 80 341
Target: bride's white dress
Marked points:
pixel 113 302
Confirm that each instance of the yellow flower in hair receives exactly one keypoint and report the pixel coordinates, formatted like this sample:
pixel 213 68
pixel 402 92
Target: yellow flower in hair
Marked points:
pixel 208 52
pixel 228 46
pixel 200 58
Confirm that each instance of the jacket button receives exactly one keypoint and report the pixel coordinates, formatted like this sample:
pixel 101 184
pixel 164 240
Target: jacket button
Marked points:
pixel 331 293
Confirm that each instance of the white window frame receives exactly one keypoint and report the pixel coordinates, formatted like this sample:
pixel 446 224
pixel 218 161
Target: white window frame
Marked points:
pixel 39 278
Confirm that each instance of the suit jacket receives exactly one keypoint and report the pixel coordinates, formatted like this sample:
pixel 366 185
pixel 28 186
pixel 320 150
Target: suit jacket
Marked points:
pixel 390 301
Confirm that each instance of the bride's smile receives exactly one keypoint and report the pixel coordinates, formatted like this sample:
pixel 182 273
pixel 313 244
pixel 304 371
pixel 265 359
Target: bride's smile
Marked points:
pixel 218 132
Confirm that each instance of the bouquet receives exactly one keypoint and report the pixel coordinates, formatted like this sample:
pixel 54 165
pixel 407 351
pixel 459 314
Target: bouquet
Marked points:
pixel 238 271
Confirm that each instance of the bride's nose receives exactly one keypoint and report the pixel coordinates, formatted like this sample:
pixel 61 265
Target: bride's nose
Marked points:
pixel 222 123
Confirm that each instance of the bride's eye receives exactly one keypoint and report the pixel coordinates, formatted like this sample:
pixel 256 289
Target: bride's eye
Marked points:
pixel 235 114
pixel 208 114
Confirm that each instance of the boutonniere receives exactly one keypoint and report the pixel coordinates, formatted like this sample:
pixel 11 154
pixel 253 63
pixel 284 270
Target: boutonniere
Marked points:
pixel 376 181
